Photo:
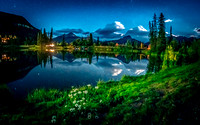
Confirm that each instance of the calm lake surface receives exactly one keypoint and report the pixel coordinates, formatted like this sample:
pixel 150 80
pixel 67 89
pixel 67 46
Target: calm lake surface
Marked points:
pixel 26 71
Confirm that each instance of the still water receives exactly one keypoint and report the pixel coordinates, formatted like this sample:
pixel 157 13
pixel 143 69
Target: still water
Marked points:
pixel 26 71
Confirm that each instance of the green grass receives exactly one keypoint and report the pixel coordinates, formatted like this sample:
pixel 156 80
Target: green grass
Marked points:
pixel 170 96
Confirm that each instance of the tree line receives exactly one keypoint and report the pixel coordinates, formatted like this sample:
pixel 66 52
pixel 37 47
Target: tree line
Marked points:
pixel 44 38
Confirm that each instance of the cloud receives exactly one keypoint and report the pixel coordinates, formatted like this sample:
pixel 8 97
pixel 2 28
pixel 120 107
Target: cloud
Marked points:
pixel 139 33
pixel 119 25
pixel 141 28
pixel 70 30
pixel 111 31
pixel 116 72
pixel 168 20
pixel 119 33
pixel 197 30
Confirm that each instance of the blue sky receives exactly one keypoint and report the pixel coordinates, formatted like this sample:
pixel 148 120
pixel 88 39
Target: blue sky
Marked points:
pixel 102 17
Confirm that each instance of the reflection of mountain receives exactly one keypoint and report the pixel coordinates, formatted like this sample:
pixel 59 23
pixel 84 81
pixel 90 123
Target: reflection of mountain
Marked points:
pixel 127 58
pixel 66 56
pixel 14 66
pixel 124 59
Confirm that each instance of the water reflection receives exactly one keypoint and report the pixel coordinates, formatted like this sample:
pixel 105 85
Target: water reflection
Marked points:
pixel 61 69
pixel 15 65
pixel 155 63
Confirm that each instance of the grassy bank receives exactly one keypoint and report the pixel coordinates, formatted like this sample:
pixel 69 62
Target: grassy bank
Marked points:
pixel 168 97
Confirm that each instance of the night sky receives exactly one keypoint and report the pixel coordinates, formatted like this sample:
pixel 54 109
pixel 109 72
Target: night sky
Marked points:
pixel 109 19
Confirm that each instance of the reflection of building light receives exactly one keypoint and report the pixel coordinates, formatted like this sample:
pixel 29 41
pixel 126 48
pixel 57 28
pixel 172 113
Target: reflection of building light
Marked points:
pixel 52 50
pixel 147 56
pixel 117 72
pixel 4 41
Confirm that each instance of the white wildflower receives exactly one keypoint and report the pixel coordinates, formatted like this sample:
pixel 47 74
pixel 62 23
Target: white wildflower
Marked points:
pixel 72 109
pixel 79 92
pixel 96 87
pixel 96 117
pixel 89 117
pixel 53 117
pixel 53 121
pixel 85 91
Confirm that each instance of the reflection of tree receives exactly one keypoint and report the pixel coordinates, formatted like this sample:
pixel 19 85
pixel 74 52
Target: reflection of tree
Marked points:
pixel 125 57
pixel 155 63
pixel 44 57
pixel 81 55
pixel 63 55
pixel 15 65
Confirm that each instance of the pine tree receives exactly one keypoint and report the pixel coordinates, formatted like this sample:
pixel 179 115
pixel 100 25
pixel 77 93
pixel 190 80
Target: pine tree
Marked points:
pixel 63 43
pixel 153 33
pixel 161 42
pixel 91 40
pixel 39 38
pixel 150 35
pixel 51 35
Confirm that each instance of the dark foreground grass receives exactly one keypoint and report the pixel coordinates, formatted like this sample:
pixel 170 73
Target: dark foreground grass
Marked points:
pixel 168 97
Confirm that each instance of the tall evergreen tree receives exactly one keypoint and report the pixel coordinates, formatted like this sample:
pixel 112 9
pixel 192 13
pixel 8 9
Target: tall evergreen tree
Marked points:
pixel 51 35
pixel 63 43
pixel 161 42
pixel 44 37
pixel 44 33
pixel 170 37
pixel 153 33
pixel 91 40
pixel 39 38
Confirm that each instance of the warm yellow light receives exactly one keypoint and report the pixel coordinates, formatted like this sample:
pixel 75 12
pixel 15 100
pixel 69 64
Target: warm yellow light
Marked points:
pixel 52 50
pixel 51 45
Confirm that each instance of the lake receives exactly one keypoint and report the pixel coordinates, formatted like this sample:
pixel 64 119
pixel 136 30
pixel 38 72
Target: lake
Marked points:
pixel 24 71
